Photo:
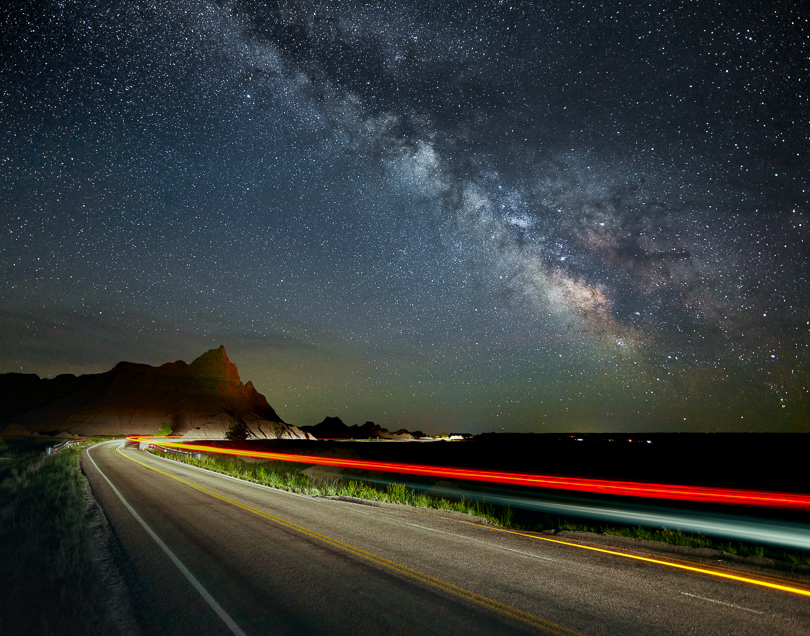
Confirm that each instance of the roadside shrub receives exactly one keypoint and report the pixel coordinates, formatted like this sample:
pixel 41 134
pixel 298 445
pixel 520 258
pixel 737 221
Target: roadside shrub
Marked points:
pixel 238 431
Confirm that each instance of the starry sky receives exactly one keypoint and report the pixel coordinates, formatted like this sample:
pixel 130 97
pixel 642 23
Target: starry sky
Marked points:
pixel 451 216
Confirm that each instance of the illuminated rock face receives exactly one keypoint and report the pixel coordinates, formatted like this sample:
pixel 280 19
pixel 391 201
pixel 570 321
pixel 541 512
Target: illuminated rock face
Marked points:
pixel 198 399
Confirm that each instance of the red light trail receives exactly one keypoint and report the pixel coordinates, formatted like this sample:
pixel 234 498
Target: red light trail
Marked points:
pixel 790 501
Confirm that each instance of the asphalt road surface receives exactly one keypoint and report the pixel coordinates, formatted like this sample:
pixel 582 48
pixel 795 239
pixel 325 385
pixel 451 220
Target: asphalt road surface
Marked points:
pixel 208 554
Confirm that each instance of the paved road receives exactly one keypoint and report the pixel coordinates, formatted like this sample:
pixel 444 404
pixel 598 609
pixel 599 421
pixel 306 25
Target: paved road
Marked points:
pixel 207 554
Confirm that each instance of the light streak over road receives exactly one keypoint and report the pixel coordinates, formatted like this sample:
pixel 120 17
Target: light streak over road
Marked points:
pixel 763 499
pixel 773 584
pixel 777 532
pixel 468 595
pixel 282 563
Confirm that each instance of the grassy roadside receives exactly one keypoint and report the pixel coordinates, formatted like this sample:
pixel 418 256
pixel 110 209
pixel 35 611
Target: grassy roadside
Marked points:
pixel 288 476
pixel 50 583
pixel 676 537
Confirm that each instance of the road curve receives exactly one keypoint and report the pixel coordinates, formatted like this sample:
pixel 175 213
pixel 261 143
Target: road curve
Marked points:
pixel 208 554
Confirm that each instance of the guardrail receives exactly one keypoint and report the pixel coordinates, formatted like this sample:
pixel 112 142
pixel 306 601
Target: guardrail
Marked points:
pixel 57 447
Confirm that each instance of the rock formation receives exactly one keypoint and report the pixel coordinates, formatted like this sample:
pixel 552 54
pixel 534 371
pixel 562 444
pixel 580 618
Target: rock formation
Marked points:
pixel 201 399
pixel 334 428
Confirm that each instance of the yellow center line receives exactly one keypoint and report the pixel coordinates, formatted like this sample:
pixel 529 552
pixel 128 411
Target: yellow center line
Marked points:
pixel 672 564
pixel 486 602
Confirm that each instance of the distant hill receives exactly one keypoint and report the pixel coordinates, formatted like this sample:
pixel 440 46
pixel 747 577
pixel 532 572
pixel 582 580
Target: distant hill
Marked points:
pixel 334 428
pixel 199 399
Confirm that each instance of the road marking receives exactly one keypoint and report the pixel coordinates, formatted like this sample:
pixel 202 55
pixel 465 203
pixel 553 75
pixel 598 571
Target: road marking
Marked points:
pixel 468 595
pixel 489 545
pixel 241 481
pixel 191 578
pixel 726 575
pixel 353 507
pixel 672 564
pixel 357 510
pixel 416 525
pixel 711 600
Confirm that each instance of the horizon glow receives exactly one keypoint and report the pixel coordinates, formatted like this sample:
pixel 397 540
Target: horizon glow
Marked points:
pixel 445 216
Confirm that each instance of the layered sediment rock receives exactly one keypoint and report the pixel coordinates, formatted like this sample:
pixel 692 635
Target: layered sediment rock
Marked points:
pixel 200 399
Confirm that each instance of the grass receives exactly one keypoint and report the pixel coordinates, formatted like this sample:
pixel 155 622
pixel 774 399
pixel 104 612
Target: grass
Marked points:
pixel 50 584
pixel 288 476
pixel 676 537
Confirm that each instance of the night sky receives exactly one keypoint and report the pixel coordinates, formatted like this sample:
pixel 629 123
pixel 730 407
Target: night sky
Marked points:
pixel 450 216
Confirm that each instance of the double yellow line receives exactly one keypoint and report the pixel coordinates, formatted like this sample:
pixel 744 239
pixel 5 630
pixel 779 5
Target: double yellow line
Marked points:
pixel 449 588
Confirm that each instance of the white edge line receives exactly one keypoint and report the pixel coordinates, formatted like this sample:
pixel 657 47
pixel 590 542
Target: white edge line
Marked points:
pixel 191 579
pixel 486 543
pixel 416 525
pixel 711 600
pixel 319 500
pixel 358 508
pixel 241 481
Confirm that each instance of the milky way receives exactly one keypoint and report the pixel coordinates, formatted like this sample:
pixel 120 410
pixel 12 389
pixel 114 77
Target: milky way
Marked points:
pixel 447 216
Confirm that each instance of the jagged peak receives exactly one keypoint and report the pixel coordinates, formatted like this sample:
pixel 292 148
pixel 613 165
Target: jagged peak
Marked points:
pixel 215 362
pixel 125 366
